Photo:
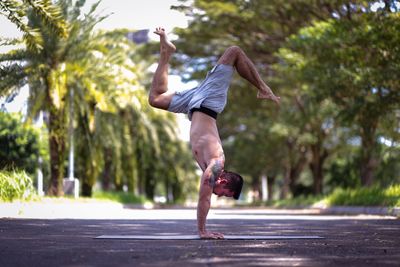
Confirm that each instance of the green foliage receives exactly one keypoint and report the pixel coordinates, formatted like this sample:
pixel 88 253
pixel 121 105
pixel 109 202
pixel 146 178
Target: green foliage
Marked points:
pixel 362 56
pixel 118 136
pixel 16 11
pixel 19 143
pixel 121 197
pixel 91 79
pixel 297 202
pixel 359 74
pixel 39 64
pixel 374 196
pixel 14 185
pixel 343 173
pixel 336 66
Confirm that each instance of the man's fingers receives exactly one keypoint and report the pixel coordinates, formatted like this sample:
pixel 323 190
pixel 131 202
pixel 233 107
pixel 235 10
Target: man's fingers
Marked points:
pixel 210 235
pixel 159 30
pixel 277 100
pixel 218 235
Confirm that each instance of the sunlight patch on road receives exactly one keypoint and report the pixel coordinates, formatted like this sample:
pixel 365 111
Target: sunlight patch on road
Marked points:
pixel 119 211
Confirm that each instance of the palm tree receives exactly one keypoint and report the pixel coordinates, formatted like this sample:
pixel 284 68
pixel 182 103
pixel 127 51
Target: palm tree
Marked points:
pixel 35 64
pixel 116 132
pixel 87 62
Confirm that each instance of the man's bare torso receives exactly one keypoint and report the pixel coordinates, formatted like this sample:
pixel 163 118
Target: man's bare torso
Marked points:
pixel 204 139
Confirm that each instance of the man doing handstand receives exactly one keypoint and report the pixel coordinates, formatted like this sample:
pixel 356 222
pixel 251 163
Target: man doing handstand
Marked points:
pixel 202 104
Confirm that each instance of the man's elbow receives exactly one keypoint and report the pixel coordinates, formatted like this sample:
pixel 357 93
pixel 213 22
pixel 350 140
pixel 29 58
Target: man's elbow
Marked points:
pixel 206 199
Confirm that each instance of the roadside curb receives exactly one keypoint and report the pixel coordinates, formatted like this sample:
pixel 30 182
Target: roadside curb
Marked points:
pixel 361 210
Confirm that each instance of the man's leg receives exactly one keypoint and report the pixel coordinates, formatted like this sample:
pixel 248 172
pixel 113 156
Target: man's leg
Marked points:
pixel 159 96
pixel 235 56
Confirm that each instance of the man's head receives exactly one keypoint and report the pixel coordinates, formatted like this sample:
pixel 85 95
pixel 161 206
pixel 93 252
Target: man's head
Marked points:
pixel 228 184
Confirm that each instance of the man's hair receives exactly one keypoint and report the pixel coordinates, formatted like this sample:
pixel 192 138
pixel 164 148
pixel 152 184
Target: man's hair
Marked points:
pixel 235 183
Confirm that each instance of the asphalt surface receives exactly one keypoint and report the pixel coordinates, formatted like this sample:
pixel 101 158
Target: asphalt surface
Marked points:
pixel 348 240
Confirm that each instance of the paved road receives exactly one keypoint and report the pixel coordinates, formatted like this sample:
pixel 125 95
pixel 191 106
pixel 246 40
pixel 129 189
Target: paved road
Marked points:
pixel 349 240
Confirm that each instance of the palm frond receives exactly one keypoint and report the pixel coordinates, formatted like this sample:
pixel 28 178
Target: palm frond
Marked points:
pixel 15 12
pixel 17 54
pixel 12 78
pixel 10 41
pixel 49 14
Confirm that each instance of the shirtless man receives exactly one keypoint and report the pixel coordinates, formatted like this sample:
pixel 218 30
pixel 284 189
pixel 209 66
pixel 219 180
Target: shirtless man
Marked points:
pixel 202 104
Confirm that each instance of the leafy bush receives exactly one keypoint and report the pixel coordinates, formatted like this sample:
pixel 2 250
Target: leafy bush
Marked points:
pixel 121 197
pixel 19 143
pixel 373 196
pixel 300 201
pixel 15 185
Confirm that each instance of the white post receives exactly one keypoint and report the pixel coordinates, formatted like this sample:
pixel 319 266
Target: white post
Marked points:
pixel 40 191
pixel 71 159
pixel 76 188
pixel 71 177
pixel 40 179
pixel 71 138
pixel 264 187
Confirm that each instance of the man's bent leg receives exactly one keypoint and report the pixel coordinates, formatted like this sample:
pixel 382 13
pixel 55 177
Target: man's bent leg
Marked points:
pixel 159 96
pixel 236 57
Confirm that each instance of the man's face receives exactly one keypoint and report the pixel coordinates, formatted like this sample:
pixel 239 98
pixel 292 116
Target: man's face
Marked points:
pixel 220 191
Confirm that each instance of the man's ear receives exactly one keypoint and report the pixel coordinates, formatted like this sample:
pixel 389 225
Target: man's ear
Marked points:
pixel 222 181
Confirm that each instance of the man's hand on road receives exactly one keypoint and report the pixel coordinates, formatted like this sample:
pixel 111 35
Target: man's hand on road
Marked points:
pixel 211 235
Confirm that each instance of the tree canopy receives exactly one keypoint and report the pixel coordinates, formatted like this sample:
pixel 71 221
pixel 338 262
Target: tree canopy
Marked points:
pixel 334 63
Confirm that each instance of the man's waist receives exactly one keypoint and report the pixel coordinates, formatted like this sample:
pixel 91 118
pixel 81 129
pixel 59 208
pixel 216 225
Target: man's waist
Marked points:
pixel 206 111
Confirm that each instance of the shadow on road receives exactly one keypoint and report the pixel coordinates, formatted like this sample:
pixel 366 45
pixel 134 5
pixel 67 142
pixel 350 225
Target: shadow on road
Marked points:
pixel 349 241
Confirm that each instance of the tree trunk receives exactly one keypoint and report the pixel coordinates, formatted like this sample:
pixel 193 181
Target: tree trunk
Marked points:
pixel 141 172
pixel 57 140
pixel 86 188
pixel 88 175
pixel 368 165
pixel 149 185
pixel 317 179
pixel 316 165
pixel 293 169
pixel 368 160
pixel 292 173
pixel 286 181
pixel 177 193
pixel 286 177
pixel 256 188
pixel 367 171
pixel 57 150
pixel 270 186
pixel 106 181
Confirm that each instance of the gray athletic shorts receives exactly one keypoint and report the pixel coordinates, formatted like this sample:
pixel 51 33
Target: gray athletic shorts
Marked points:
pixel 211 93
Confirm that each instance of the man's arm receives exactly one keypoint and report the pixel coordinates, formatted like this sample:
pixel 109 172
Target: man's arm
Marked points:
pixel 206 188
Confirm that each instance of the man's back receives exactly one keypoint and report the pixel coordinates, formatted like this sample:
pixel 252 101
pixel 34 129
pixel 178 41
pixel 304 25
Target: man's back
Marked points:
pixel 204 139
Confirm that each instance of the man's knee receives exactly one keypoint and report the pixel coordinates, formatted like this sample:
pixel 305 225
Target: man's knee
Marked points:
pixel 156 101
pixel 234 49
pixel 152 101
pixel 160 101
pixel 231 55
